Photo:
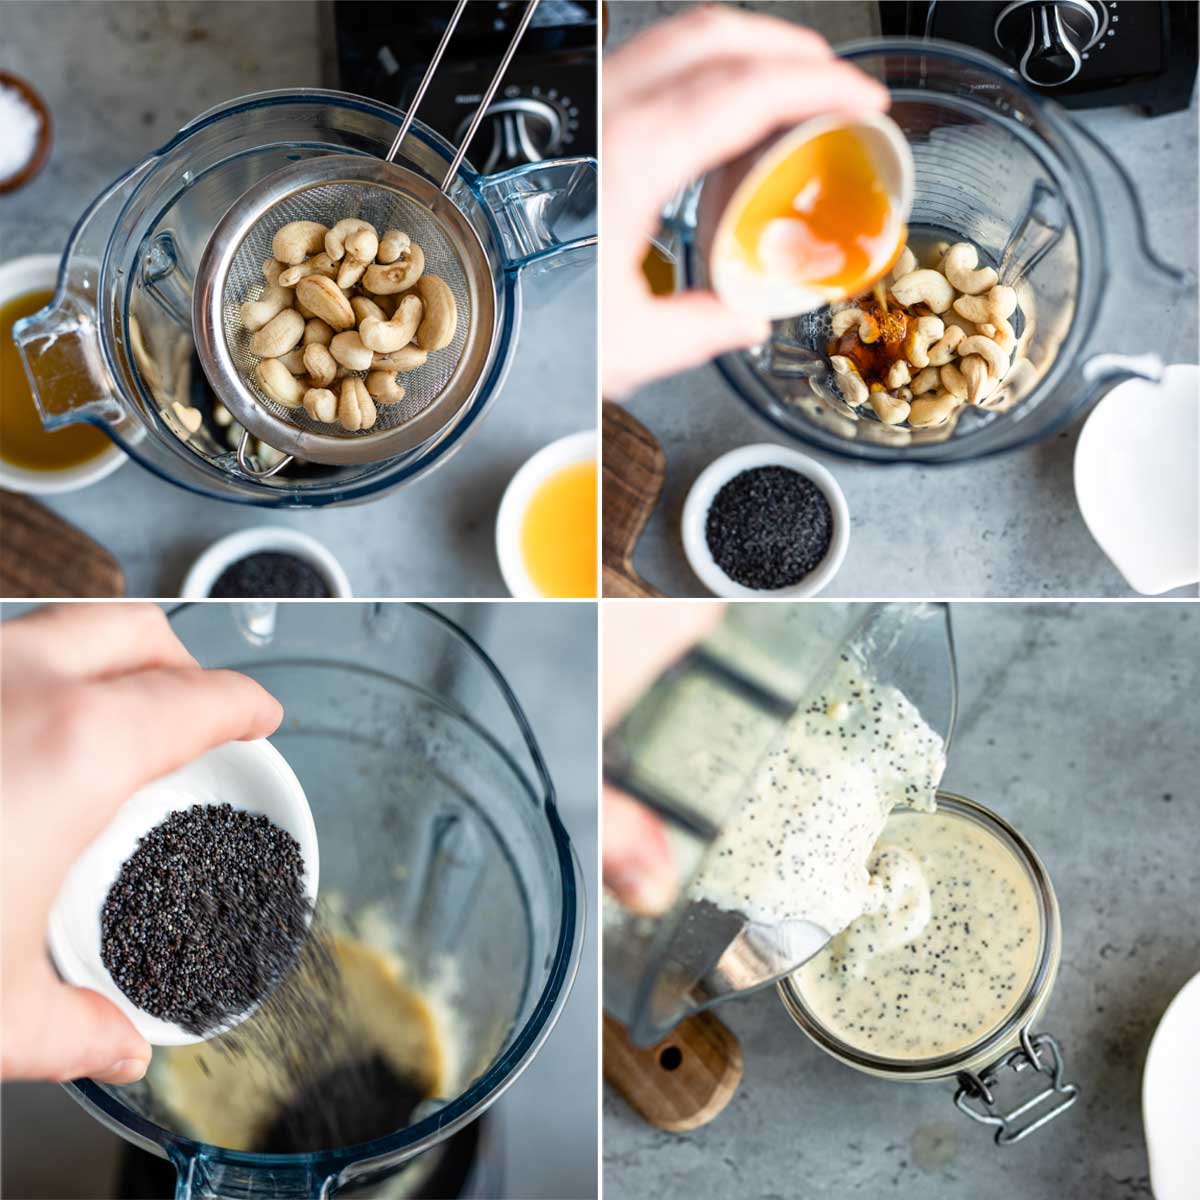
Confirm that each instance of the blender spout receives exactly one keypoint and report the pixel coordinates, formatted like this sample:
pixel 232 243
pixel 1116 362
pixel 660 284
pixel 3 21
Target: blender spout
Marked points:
pixel 60 347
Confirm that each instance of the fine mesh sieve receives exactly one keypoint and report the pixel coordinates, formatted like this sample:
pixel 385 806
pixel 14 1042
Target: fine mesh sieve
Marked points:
pixel 329 188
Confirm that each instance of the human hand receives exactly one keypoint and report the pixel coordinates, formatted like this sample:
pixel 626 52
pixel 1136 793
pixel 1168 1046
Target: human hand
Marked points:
pixel 642 639
pixel 690 93
pixel 98 700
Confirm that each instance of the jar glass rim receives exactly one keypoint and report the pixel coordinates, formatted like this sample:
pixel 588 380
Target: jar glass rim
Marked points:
pixel 995 1040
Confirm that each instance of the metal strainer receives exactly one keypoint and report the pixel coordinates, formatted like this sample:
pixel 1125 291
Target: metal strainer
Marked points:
pixel 328 188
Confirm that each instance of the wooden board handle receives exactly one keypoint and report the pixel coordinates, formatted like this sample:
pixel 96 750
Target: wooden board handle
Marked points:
pixel 681 1083
pixel 634 469
pixel 43 556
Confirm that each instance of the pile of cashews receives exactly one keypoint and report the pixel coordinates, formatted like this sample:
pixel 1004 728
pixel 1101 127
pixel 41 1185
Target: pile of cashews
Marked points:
pixel 959 345
pixel 340 302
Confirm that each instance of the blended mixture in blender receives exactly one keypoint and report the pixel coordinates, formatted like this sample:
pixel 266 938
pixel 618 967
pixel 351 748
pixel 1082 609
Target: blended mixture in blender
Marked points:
pixel 943 953
pixel 343 1053
pixel 798 847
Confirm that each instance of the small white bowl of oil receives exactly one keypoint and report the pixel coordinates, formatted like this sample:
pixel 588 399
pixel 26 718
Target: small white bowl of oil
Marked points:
pixel 546 524
pixel 34 460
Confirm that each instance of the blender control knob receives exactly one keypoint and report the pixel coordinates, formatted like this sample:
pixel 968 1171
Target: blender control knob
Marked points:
pixel 1049 37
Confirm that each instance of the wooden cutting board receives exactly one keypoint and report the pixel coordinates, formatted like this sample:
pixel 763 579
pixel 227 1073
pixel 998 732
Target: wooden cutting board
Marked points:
pixel 681 1083
pixel 633 470
pixel 41 556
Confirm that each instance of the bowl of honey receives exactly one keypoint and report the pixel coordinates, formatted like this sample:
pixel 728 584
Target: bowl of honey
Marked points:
pixel 32 458
pixel 546 540
pixel 813 216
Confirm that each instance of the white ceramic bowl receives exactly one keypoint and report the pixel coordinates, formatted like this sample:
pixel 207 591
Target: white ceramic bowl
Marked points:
pixel 250 776
pixel 206 570
pixel 715 476
pixel 1137 482
pixel 575 448
pixel 17 278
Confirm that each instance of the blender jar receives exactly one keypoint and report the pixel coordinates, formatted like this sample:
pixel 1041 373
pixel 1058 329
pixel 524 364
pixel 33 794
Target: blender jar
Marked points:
pixel 1009 1078
pixel 435 814
pixel 1000 167
pixel 689 750
pixel 114 348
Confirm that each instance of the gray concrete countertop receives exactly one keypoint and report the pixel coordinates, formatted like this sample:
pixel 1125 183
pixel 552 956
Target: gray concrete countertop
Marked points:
pixel 1003 527
pixel 1077 725
pixel 52 1148
pixel 120 78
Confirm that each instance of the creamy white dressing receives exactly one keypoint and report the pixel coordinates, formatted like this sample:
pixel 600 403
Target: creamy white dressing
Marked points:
pixel 946 952
pixel 798 848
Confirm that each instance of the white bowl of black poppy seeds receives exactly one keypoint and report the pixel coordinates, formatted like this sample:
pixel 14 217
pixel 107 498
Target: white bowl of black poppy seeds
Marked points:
pixel 192 903
pixel 765 521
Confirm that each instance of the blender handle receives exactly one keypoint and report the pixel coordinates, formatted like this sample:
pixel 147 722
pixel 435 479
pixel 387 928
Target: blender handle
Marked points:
pixel 544 211
pixel 243 459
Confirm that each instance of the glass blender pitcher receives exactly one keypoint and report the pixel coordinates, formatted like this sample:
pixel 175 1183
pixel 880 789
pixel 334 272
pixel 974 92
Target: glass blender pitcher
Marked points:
pixel 689 750
pixel 435 814
pixel 114 348
pixel 1000 167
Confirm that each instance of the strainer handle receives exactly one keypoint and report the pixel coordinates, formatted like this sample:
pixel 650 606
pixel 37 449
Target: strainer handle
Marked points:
pixel 243 459
pixel 489 95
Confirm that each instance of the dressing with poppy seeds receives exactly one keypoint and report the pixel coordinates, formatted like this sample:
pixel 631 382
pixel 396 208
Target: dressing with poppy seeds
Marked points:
pixel 944 954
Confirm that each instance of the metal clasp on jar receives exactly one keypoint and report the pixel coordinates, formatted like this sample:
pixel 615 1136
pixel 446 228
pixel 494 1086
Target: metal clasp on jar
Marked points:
pixel 1033 1074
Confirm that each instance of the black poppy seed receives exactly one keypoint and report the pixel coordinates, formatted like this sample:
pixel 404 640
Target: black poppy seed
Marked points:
pixel 205 916
pixel 769 527
pixel 267 575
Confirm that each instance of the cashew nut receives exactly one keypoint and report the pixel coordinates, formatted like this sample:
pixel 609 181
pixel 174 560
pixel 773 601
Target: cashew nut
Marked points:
pixel 320 365
pixel 932 410
pixel 385 387
pixel 925 380
pixel 349 350
pixel 293 360
pixel 353 236
pixel 924 287
pixel 189 417
pixel 891 410
pixel 324 299
pixel 388 336
pixel 440 320
pixel 351 271
pixel 319 264
pixel 321 405
pixel 921 336
pixel 298 240
pixel 954 381
pixel 868 326
pixel 999 304
pixel 385 279
pixel 274 299
pixel 905 394
pixel 958 265
pixel 942 351
pixel 1003 334
pixel 850 383
pixel 898 374
pixel 278 335
pixel 356 409
pixel 979 380
pixel 391 246
pixel 996 359
pixel 365 307
pixel 279 383
pixel 408 358
pixel 904 265
pixel 316 332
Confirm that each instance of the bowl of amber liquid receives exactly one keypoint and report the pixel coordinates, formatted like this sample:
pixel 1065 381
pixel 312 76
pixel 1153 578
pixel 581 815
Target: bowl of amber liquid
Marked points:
pixel 33 459
pixel 546 524
pixel 814 216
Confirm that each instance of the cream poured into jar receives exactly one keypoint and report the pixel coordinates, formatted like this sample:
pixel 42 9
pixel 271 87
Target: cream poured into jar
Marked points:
pixel 945 950
pixel 799 846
